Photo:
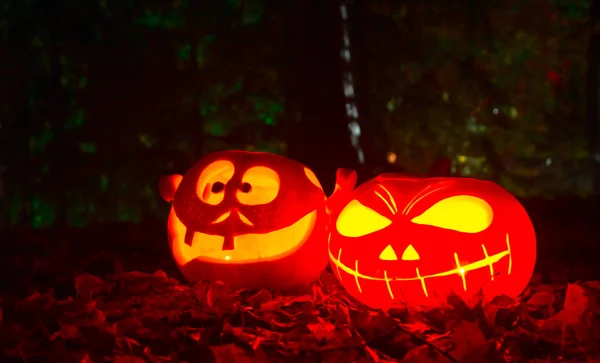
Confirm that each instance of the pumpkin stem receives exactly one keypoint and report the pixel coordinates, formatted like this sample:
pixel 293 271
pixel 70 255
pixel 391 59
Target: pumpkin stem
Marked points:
pixel 345 181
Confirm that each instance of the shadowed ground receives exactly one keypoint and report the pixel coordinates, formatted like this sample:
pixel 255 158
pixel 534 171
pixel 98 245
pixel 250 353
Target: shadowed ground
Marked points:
pixel 96 267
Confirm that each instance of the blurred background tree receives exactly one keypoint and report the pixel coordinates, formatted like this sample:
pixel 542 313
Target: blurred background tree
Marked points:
pixel 100 98
pixel 497 86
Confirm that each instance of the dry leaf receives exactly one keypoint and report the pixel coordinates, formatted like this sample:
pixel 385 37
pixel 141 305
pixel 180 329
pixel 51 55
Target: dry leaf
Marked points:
pixel 467 337
pixel 541 299
pixel 575 305
pixel 322 331
pixel 129 359
pixel 418 328
pixel 320 322
pixel 424 353
pixel 87 285
pixel 230 353
pixel 217 291
pixel 68 331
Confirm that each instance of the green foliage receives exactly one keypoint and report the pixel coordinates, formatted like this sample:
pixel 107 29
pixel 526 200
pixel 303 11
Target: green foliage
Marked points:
pixel 104 97
pixel 37 144
pixel 75 121
pixel 171 18
pixel 115 98
pixel 267 109
pixel 87 147
pixel 482 93
pixel 42 213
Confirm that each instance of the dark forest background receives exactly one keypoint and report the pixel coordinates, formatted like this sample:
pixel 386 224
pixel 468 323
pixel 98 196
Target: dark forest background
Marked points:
pixel 98 99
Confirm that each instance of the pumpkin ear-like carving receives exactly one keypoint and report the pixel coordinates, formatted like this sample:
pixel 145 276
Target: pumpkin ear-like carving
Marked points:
pixel 357 220
pixel 462 213
pixel 260 185
pixel 312 177
pixel 167 186
pixel 210 187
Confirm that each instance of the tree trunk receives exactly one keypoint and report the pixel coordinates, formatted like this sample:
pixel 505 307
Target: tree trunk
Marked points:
pixel 592 95
pixel 316 126
pixel 374 157
pixel 196 82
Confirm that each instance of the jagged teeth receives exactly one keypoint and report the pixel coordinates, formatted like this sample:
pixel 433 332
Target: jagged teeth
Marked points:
pixel 460 270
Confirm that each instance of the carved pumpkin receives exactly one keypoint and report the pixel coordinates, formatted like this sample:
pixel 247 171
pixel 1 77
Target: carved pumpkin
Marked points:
pixel 404 240
pixel 250 219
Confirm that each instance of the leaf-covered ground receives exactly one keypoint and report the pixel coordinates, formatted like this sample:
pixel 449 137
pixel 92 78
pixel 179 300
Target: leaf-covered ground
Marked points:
pixel 77 296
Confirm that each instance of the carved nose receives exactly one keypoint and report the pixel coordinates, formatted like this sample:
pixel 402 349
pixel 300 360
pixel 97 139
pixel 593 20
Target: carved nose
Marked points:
pixel 410 254
pixel 222 217
pixel 388 254
pixel 226 215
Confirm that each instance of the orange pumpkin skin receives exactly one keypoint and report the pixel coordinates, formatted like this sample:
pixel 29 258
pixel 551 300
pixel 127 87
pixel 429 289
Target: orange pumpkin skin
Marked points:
pixel 403 240
pixel 249 219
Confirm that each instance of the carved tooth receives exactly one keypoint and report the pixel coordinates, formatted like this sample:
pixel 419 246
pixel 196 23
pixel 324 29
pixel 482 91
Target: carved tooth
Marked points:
pixel 461 271
pixel 422 279
pixel 189 237
pixel 387 282
pixel 228 243
pixel 356 276
pixel 509 254
pixel 487 258
pixel 337 265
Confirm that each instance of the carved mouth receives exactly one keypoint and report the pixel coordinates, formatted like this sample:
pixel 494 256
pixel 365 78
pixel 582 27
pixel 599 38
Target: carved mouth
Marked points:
pixel 487 261
pixel 249 247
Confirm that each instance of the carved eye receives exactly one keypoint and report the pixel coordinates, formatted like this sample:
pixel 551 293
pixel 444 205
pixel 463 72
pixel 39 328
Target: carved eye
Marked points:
pixel 245 187
pixel 357 220
pixel 217 187
pixel 211 183
pixel 260 185
pixel 462 213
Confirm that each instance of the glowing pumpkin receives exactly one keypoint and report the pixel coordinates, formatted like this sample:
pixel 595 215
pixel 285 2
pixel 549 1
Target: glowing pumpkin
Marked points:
pixel 249 219
pixel 409 240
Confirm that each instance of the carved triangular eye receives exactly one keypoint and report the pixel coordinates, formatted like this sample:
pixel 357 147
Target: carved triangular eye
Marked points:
pixel 462 213
pixel 357 220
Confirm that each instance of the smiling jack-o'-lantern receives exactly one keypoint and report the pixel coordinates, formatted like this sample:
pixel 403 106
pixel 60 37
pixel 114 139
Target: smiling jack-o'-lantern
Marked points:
pixel 250 219
pixel 404 240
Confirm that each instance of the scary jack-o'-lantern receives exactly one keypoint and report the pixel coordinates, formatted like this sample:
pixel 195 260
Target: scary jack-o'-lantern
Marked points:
pixel 250 219
pixel 405 240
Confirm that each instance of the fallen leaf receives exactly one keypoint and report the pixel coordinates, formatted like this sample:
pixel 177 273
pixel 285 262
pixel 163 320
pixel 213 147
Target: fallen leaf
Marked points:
pixel 87 285
pixel 322 331
pixel 68 331
pixel 466 337
pixel 418 328
pixel 424 353
pixel 575 305
pixel 541 299
pixel 230 353
pixel 129 359
pixel 217 291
